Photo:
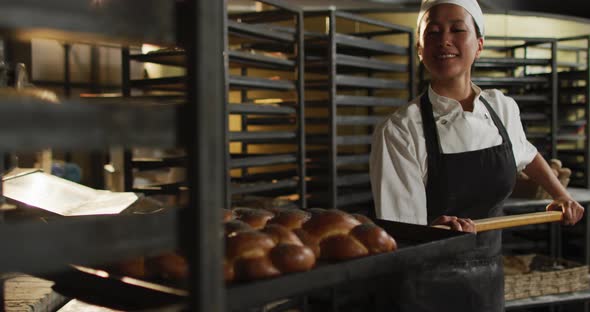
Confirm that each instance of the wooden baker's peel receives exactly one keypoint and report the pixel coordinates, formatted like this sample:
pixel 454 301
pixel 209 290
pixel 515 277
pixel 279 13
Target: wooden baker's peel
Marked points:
pixel 504 222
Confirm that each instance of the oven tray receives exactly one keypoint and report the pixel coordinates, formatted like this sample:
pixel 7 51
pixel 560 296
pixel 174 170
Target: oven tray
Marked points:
pixel 416 244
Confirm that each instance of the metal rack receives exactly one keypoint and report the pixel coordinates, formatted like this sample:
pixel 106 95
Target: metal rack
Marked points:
pixel 574 91
pixel 264 98
pixel 526 70
pixel 79 125
pixel 303 289
pixel 367 68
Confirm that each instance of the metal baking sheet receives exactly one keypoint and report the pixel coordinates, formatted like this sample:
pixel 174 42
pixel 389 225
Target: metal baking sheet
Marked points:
pixel 38 189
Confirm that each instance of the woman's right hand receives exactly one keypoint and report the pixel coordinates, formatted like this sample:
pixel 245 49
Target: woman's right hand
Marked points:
pixel 455 223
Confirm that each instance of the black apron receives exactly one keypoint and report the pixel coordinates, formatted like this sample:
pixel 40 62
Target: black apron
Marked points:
pixel 472 185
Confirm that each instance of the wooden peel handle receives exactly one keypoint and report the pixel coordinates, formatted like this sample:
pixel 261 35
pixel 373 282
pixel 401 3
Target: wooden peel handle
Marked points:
pixel 503 222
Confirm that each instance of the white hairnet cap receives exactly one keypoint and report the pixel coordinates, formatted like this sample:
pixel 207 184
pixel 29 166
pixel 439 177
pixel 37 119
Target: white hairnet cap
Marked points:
pixel 471 6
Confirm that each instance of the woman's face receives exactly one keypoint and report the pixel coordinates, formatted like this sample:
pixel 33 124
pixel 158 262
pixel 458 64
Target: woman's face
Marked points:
pixel 448 43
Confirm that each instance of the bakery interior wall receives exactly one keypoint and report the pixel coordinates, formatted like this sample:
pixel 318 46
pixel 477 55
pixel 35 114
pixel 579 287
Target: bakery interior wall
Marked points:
pixel 48 62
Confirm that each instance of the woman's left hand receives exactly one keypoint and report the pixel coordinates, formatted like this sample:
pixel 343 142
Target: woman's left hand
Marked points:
pixel 572 210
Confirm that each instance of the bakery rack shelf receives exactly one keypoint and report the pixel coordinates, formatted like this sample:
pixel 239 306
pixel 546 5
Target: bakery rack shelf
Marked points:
pixel 355 82
pixel 249 160
pixel 547 300
pixel 414 241
pixel 241 188
pixel 176 57
pixel 354 45
pixel 264 84
pixel 84 125
pixel 125 236
pixel 262 136
pixel 526 70
pixel 33 246
pixel 99 21
pixel 487 62
pixel 574 92
pixel 358 100
pixel 423 243
pixel 259 32
pixel 236 82
pixel 265 58
pixel 351 63
pixel 533 98
pixel 360 69
pixel 248 108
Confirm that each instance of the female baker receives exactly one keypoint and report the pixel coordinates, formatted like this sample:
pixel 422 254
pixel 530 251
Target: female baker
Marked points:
pixel 451 155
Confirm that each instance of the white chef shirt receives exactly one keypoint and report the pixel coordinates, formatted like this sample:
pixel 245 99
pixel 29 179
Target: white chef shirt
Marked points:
pixel 398 164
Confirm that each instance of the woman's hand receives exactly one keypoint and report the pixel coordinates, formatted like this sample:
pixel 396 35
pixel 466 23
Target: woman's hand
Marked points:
pixel 457 224
pixel 572 210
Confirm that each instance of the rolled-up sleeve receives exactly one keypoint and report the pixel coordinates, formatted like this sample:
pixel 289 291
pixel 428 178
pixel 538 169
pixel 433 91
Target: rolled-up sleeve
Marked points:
pixel 397 175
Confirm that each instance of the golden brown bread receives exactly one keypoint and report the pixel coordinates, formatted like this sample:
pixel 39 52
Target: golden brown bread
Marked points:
pixel 341 247
pixel 133 267
pixel 256 254
pixel 247 244
pixel 254 268
pixel 276 249
pixel 228 215
pixel 329 223
pixel 374 238
pixel 310 241
pixel 337 235
pixel 233 226
pixel 292 258
pixel 362 218
pixel 290 218
pixel 169 265
pixel 282 235
pixel 256 218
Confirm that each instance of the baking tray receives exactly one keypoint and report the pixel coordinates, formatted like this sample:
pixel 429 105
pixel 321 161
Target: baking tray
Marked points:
pixel 416 244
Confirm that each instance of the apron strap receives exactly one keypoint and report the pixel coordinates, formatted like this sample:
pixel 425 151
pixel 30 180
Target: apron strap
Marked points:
pixel 430 135
pixel 497 122
pixel 435 190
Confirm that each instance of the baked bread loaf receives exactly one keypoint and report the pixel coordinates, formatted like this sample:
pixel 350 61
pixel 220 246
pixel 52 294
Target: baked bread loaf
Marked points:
pixel 170 265
pixel 290 218
pixel 233 226
pixel 256 218
pixel 251 255
pixel 337 235
pixel 228 215
pixel 264 243
pixel 132 267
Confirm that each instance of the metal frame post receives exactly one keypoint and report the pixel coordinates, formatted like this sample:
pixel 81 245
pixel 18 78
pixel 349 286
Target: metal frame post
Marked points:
pixel 587 112
pixel 333 136
pixel 301 110
pixel 554 99
pixel 204 137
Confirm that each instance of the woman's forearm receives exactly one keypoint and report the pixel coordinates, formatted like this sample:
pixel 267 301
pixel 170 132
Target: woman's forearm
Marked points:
pixel 540 172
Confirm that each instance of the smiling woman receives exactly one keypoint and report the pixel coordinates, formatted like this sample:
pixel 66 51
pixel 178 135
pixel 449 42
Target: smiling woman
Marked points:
pixel 449 43
pixel 451 155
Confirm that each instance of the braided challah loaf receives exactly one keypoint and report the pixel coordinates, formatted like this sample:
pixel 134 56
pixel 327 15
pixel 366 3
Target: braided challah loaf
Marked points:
pixel 264 243
pixel 343 236
pixel 331 234
pixel 267 253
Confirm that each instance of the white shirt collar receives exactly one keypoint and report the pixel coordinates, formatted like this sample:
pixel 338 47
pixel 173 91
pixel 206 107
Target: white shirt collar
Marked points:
pixel 442 105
